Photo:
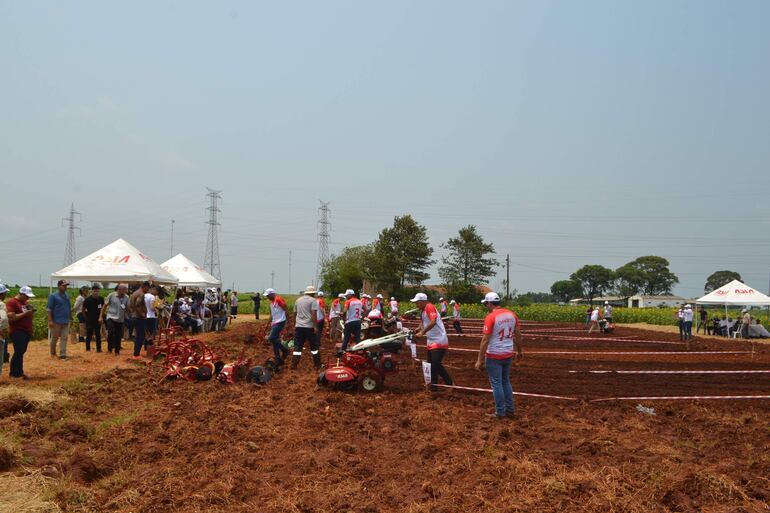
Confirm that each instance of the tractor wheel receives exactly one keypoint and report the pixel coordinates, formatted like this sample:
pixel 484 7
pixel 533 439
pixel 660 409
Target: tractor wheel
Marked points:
pixel 322 381
pixel 370 382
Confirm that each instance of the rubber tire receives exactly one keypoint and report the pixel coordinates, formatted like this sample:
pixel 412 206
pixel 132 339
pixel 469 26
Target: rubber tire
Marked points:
pixel 322 381
pixel 370 382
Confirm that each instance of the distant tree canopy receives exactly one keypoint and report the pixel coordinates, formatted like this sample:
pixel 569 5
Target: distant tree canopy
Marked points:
pixel 719 279
pixel 648 275
pixel 565 290
pixel 347 270
pixel 401 255
pixel 594 280
pixel 467 264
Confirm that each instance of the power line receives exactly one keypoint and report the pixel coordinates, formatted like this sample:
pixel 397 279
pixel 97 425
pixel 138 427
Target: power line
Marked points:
pixel 69 250
pixel 211 258
pixel 324 229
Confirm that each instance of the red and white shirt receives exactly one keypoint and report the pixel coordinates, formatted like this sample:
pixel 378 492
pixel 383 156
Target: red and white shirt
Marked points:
pixel 335 309
pixel 456 308
pixel 500 324
pixel 444 308
pixel 354 310
pixel 394 307
pixel 277 310
pixel 364 303
pixel 321 310
pixel 437 338
pixel 376 305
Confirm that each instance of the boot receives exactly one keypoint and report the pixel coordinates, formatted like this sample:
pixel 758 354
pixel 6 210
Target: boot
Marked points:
pixel 294 361
pixel 317 361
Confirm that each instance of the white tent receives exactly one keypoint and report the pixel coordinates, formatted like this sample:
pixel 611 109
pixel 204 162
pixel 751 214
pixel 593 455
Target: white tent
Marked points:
pixel 735 293
pixel 117 262
pixel 189 273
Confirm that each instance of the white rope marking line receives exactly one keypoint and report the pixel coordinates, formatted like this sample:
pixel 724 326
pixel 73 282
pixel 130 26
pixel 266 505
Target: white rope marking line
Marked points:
pixel 610 339
pixel 764 371
pixel 514 393
pixel 632 352
pixel 680 398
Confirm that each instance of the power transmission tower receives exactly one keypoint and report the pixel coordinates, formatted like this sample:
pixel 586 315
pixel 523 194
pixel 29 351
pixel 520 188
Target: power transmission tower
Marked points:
pixel 211 258
pixel 324 228
pixel 508 276
pixel 69 251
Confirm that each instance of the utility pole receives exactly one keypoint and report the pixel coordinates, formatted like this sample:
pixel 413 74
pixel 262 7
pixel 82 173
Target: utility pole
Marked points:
pixel 324 229
pixel 290 289
pixel 69 251
pixel 172 238
pixel 211 258
pixel 508 276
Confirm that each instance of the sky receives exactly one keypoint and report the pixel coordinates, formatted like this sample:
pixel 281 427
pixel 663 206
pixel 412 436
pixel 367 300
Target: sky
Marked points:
pixel 569 133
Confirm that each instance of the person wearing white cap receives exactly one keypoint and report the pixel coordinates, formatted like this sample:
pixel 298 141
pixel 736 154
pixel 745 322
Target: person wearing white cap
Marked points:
pixel 365 305
pixel 305 326
pixel 377 304
pixel 3 328
pixel 335 310
pixel 20 316
pixel 594 322
pixel 393 307
pixel 607 311
pixel 438 343
pixel 500 347
pixel 278 310
pixel 352 312
pixel 687 322
pixel 444 306
pixel 745 323
pixel 456 316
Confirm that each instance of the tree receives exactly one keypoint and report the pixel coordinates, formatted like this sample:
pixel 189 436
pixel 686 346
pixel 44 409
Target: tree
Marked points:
pixel 347 270
pixel 564 290
pixel 467 262
pixel 593 280
pixel 401 255
pixel 648 275
pixel 720 278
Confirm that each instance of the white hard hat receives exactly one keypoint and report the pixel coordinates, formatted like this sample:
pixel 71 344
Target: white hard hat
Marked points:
pixel 419 297
pixel 491 297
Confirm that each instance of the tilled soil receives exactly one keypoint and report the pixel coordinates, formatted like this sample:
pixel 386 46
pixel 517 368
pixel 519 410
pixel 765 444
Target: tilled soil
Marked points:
pixel 122 443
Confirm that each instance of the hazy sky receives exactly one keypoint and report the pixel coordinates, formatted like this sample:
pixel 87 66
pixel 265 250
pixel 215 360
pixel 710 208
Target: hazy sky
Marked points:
pixel 570 133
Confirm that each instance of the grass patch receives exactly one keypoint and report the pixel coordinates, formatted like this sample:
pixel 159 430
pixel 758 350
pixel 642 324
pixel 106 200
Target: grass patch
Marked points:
pixel 26 494
pixel 35 395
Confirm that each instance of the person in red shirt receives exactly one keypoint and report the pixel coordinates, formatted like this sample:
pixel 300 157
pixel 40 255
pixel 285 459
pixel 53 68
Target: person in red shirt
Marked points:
pixel 498 351
pixel 432 327
pixel 278 311
pixel 321 315
pixel 456 316
pixel 20 315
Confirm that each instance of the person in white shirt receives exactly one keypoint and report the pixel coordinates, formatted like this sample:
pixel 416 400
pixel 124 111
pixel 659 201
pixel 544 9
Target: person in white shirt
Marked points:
pixel 687 322
pixel 594 322
pixel 151 324
pixel 607 311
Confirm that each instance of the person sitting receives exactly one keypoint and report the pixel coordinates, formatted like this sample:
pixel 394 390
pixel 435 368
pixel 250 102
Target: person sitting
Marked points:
pixel 723 326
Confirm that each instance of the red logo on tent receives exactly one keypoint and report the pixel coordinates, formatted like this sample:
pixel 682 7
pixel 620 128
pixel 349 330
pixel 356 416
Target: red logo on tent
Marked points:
pixel 721 292
pixel 107 259
pixel 744 291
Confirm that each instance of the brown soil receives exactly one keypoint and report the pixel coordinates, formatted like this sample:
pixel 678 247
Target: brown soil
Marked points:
pixel 124 444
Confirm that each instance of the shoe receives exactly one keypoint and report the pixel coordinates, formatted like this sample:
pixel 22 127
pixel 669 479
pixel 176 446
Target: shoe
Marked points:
pixel 63 357
pixel 494 416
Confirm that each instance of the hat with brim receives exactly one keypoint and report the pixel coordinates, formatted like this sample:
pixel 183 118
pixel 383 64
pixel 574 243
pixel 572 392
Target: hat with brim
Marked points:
pixel 420 296
pixel 310 290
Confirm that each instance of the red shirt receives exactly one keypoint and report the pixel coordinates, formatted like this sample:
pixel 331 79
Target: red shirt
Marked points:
pixel 500 324
pixel 25 323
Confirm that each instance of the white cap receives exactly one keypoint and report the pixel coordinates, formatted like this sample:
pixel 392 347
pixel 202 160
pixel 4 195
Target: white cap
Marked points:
pixel 366 295
pixel 269 291
pixel 27 291
pixel 687 306
pixel 606 302
pixel 340 295
pixel 441 299
pixel 320 294
pixel 491 297
pixel 3 289
pixel 452 302
pixel 310 290
pixel 392 299
pixel 419 297
pixel 379 296
pixel 349 292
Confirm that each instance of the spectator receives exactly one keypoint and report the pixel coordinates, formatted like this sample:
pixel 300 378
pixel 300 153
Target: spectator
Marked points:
pixel 607 311
pixel 305 326
pixel 151 321
pixel 687 322
pixel 278 310
pixel 20 315
pixel 496 353
pixel 59 316
pixel 113 315
pixel 92 308
pixel 437 344
pixel 352 312
pixel 234 305
pixel 456 316
pixel 703 317
pixel 78 308
pixel 745 323
pixel 208 317
pixel 137 310
pixel 4 356
pixel 257 299
pixel 723 326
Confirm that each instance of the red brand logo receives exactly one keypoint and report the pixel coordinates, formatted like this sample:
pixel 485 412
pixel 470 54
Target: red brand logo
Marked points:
pixel 107 259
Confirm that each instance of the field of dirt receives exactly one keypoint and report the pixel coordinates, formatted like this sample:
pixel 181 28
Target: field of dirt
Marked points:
pixel 118 442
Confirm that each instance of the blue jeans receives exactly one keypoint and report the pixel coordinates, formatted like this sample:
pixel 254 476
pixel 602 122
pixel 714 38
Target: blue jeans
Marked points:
pixel 275 339
pixel 3 350
pixel 20 340
pixel 499 372
pixel 352 328
pixel 687 328
pixel 139 327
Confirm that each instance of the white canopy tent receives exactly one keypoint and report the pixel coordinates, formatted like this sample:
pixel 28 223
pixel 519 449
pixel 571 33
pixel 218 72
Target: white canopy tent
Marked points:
pixel 114 263
pixel 189 273
pixel 735 293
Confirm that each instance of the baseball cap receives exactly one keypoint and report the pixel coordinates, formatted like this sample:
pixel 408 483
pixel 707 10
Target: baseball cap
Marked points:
pixel 452 302
pixel 420 296
pixel 3 289
pixel 269 291
pixel 320 293
pixel 62 282
pixel 392 299
pixel 340 295
pixel 27 291
pixel 379 296
pixel 491 297
pixel 606 302
pixel 349 292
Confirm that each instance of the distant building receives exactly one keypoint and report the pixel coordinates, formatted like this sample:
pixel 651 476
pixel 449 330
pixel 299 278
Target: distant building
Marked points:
pixel 656 301
pixel 613 300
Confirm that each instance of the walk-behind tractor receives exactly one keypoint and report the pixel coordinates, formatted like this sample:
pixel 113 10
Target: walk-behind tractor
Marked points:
pixel 365 365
